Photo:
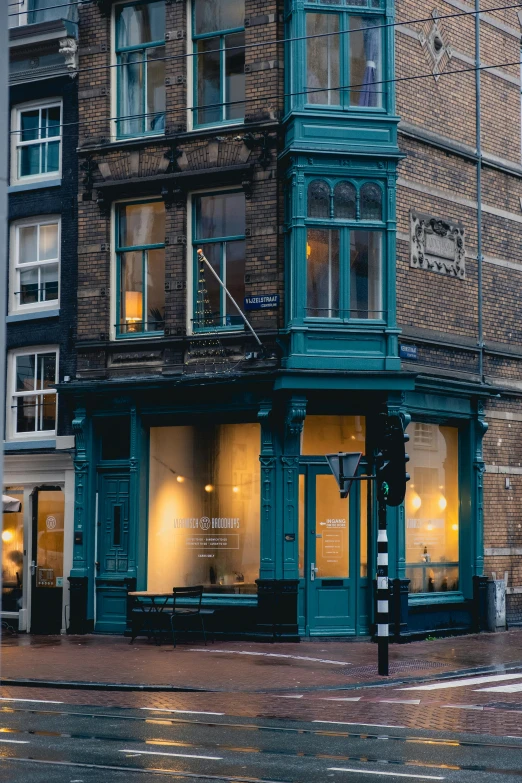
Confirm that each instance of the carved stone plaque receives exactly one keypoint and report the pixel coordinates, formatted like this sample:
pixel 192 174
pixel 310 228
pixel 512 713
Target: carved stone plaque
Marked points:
pixel 437 245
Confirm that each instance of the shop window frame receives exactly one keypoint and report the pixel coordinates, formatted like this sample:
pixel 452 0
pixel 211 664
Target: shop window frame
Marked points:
pixel 11 431
pixel 15 268
pixel 17 144
pixel 118 252
pixel 195 108
pixel 449 596
pixel 345 226
pixel 117 51
pixel 196 243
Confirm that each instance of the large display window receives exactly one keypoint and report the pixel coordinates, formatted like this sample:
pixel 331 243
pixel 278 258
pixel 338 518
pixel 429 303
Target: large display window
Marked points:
pixel 13 555
pixel 329 434
pixel 432 509
pixel 204 508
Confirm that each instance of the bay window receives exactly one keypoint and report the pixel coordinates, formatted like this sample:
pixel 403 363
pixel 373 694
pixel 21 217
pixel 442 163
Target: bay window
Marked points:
pixel 140 254
pixel 344 257
pixel 344 54
pixel 219 229
pixel 219 61
pixel 32 378
pixel 140 53
pixel 432 508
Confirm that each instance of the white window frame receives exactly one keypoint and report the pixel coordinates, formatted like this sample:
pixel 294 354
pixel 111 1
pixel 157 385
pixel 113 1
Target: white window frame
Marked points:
pixel 13 395
pixel 14 268
pixel 16 144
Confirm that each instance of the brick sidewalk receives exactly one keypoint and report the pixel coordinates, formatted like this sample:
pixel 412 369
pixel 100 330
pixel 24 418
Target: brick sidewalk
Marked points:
pixel 244 666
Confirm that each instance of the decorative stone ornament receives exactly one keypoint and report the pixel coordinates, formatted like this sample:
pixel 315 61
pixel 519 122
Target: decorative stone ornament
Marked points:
pixel 433 41
pixel 437 245
pixel 69 49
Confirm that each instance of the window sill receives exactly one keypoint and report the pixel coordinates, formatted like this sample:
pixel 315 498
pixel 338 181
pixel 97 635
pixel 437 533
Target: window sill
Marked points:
pixel 25 445
pixel 140 137
pixel 141 336
pixel 20 186
pixel 217 125
pixel 32 316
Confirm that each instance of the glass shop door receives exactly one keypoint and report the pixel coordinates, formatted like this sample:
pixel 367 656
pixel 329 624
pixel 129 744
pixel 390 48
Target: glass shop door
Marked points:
pixel 47 560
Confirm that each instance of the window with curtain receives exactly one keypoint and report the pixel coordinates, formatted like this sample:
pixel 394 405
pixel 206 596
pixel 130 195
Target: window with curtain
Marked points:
pixel 140 71
pixel 35 264
pixel 219 63
pixel 344 54
pixel 344 253
pixel 219 230
pixel 37 139
pixel 140 253
pixel 432 508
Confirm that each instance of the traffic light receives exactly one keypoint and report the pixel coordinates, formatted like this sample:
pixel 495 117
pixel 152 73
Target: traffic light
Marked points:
pixel 392 458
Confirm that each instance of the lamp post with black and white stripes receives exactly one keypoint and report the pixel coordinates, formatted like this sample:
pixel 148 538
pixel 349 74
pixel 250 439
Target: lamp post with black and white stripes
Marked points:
pixel 383 584
pixel 391 488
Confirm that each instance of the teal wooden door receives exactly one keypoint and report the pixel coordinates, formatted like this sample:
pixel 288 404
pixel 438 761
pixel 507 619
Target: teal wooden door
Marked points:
pixel 331 553
pixel 113 550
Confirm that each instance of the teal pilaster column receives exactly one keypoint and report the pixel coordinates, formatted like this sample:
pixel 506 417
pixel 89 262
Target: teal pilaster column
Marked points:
pixel 288 530
pixel 82 499
pixel 481 427
pixel 134 479
pixel 268 460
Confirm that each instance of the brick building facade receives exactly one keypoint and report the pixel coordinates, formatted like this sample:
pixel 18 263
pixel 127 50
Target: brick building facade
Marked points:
pixel 460 154
pixel 41 316
pixel 340 208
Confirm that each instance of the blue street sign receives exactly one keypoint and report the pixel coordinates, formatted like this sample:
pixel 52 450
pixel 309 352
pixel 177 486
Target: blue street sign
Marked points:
pixel 261 302
pixel 408 352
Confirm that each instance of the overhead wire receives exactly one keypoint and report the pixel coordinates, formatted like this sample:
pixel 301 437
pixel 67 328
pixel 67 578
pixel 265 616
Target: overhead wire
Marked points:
pixel 308 91
pixel 178 110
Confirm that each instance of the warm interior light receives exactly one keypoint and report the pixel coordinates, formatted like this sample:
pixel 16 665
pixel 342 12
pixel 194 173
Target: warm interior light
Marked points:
pixel 429 527
pixel 308 250
pixel 442 502
pixel 180 479
pixel 7 535
pixel 455 527
pixel 235 489
pixel 209 488
pixel 416 502
pixel 133 309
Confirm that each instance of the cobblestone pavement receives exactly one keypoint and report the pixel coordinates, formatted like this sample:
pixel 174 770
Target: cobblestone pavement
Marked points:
pixel 245 666
pixel 442 685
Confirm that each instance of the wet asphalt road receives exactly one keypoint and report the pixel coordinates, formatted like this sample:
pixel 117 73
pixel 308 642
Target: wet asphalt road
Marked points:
pixel 78 744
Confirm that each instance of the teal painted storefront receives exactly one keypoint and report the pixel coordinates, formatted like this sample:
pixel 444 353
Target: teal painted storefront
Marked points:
pixel 297 494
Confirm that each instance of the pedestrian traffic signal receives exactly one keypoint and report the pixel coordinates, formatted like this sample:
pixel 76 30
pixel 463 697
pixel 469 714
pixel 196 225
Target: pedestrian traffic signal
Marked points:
pixel 392 458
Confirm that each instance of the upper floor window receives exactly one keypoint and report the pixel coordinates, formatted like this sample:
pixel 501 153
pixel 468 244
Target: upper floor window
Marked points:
pixel 219 62
pixel 36 141
pixel 35 264
pixel 32 399
pixel 35 11
pixel 344 256
pixel 344 60
pixel 140 254
pixel 219 229
pixel 140 53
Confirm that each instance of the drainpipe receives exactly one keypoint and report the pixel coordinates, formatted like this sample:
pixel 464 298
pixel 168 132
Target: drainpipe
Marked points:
pixel 478 117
